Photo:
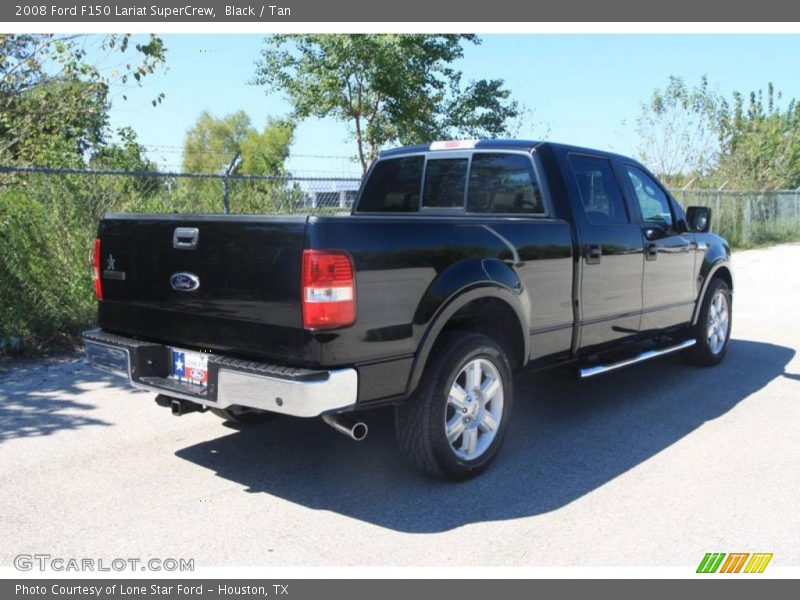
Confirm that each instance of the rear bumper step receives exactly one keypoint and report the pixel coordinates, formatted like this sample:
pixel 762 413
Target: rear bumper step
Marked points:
pixel 231 382
pixel 591 371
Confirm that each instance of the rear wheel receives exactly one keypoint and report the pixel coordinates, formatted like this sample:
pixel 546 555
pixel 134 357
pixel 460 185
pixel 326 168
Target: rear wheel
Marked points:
pixel 713 328
pixel 454 423
pixel 242 416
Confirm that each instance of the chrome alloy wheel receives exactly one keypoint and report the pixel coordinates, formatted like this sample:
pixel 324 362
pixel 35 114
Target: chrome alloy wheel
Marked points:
pixel 718 322
pixel 474 409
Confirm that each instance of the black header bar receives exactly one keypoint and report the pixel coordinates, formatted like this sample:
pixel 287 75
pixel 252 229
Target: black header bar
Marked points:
pixel 439 11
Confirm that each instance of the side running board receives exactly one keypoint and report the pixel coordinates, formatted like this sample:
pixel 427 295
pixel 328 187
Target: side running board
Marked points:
pixel 598 369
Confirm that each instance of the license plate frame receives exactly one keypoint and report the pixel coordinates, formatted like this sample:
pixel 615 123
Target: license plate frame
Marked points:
pixel 189 366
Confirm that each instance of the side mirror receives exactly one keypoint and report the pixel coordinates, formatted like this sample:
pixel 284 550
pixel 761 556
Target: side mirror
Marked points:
pixel 699 218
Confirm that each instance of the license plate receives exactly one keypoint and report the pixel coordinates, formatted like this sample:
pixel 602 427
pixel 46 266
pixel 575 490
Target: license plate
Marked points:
pixel 190 367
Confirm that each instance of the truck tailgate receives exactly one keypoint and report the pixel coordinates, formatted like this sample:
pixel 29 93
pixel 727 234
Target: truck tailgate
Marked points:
pixel 236 289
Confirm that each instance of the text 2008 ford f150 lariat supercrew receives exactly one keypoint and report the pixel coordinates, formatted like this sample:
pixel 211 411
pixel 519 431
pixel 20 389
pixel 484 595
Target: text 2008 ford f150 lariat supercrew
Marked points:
pixel 461 263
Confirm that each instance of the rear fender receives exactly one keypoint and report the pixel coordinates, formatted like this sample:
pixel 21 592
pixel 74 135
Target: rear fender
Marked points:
pixel 465 282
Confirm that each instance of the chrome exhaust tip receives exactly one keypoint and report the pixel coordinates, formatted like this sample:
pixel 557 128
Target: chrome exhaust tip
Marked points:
pixel 355 430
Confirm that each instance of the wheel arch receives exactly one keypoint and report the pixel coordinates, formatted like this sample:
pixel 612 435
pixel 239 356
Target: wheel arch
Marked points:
pixel 468 311
pixel 719 269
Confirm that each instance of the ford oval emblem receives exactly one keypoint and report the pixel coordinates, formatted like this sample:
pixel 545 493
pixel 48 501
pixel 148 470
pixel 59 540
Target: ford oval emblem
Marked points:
pixel 184 282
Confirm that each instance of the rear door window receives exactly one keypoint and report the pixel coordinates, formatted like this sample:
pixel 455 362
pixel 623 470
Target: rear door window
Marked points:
pixel 503 183
pixel 445 181
pixel 393 186
pixel 600 194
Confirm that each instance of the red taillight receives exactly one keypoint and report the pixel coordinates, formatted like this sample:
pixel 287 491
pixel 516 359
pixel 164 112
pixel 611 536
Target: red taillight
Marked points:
pixel 98 284
pixel 329 290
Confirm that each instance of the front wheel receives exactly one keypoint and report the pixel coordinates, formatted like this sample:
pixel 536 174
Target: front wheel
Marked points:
pixel 454 423
pixel 713 328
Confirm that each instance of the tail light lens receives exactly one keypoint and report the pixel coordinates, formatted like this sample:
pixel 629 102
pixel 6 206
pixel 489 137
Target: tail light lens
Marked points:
pixel 329 290
pixel 98 283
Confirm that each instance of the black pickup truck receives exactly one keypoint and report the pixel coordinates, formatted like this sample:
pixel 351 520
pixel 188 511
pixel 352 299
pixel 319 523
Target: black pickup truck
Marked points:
pixel 461 263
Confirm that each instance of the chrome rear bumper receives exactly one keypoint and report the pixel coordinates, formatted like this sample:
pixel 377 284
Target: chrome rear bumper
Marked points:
pixel 231 382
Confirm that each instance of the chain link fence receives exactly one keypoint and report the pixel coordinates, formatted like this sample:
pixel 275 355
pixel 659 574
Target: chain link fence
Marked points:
pixel 745 218
pixel 749 218
pixel 132 191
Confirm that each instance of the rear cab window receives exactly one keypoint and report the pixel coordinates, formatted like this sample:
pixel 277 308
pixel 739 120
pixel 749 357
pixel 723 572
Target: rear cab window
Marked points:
pixel 445 180
pixel 478 183
pixel 503 183
pixel 393 185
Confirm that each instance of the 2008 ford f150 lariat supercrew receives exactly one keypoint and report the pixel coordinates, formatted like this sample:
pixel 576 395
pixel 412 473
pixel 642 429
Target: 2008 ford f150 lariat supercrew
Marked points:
pixel 461 263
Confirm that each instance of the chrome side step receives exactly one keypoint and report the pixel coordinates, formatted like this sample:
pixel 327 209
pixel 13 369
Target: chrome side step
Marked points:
pixel 598 369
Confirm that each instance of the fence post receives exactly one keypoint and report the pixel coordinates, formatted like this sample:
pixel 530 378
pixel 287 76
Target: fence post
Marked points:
pixel 748 218
pixel 684 188
pixel 226 186
pixel 796 193
pixel 718 203
pixel 226 203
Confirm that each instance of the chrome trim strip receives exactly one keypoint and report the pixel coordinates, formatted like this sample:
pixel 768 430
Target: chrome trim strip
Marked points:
pixel 598 369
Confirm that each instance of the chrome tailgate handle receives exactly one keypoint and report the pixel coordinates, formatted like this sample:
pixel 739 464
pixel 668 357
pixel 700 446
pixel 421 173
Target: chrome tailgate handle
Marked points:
pixel 185 238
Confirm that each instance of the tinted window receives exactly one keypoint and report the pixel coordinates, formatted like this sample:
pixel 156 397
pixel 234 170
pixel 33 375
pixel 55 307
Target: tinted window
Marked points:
pixel 652 199
pixel 599 191
pixel 445 179
pixel 503 183
pixel 393 186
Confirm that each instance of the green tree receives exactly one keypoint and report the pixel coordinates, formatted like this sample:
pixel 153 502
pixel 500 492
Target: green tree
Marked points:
pixel 127 154
pixel 751 141
pixel 212 143
pixel 265 152
pixel 760 141
pixel 54 96
pixel 678 129
pixel 389 88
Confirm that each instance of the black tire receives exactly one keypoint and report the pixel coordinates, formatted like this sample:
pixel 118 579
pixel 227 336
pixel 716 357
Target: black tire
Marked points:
pixel 420 420
pixel 243 417
pixel 702 354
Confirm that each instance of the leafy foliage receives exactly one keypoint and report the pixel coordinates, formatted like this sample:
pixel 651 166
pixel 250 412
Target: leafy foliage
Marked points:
pixel 265 152
pixel 760 141
pixel 54 99
pixel 212 143
pixel 54 111
pixel 696 133
pixel 390 88
pixel 678 130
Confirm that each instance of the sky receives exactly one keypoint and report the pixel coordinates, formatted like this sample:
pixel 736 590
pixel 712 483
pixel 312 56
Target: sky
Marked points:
pixel 583 89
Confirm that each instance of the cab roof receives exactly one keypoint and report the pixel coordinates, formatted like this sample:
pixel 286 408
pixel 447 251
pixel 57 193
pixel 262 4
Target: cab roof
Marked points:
pixel 463 145
pixel 525 145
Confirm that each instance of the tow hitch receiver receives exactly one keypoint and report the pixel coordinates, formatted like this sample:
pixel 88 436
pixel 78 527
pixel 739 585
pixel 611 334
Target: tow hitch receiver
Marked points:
pixel 179 407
